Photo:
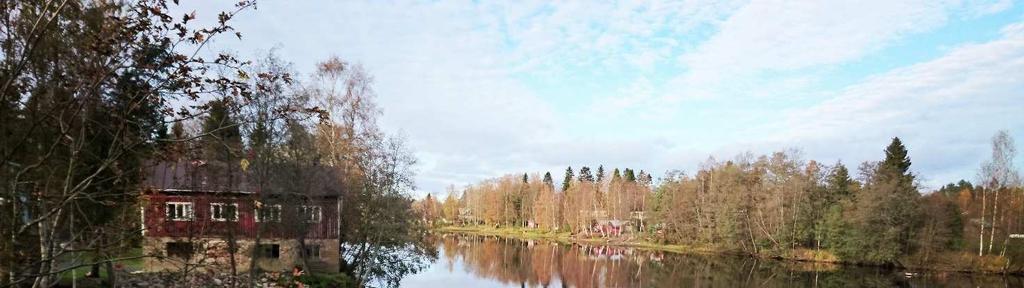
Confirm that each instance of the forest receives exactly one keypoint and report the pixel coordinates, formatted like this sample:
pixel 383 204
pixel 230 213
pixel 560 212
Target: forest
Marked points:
pixel 776 205
pixel 94 91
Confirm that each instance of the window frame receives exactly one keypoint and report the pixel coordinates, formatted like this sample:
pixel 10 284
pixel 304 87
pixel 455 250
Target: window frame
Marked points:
pixel 188 247
pixel 308 251
pixel 266 208
pixel 308 217
pixel 188 208
pixel 274 254
pixel 213 212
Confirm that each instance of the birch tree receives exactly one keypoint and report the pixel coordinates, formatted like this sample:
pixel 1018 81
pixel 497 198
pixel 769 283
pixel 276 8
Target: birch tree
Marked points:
pixel 996 174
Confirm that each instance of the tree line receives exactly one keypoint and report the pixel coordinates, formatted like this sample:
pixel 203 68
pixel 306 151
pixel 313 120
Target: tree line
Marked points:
pixel 774 205
pixel 93 92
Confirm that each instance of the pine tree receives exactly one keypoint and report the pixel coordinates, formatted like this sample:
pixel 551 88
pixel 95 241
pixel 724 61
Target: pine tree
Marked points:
pixel 585 175
pixel 616 175
pixel 839 184
pixel 548 181
pixel 629 175
pixel 600 173
pixel 568 179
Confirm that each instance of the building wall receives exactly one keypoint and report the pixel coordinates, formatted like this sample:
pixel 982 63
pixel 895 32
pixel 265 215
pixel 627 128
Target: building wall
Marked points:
pixel 246 226
pixel 212 254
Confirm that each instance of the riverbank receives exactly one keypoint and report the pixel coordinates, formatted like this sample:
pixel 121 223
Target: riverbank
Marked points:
pixel 567 238
pixel 942 262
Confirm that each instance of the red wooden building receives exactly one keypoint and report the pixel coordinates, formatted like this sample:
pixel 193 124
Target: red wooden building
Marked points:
pixel 192 214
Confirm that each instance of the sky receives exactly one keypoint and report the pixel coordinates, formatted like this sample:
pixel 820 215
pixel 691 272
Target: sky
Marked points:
pixel 480 89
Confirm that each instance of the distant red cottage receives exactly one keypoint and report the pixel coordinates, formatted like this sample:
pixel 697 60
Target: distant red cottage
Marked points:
pixel 193 217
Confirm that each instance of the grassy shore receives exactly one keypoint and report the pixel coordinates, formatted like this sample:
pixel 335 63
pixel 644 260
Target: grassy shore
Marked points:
pixel 79 273
pixel 566 237
pixel 946 262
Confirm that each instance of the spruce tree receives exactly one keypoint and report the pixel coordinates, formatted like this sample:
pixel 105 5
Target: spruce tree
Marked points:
pixel 629 175
pixel 222 144
pixel 839 184
pixel 585 175
pixel 902 211
pixel 600 173
pixel 548 181
pixel 896 165
pixel 887 210
pixel 568 179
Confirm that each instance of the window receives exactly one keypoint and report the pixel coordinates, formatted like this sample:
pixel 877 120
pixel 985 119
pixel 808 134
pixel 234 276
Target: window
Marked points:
pixel 178 249
pixel 268 213
pixel 179 211
pixel 269 250
pixel 224 212
pixel 311 214
pixel 312 251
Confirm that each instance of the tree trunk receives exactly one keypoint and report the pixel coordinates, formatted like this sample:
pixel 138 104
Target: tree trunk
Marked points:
pixel 41 281
pixel 981 233
pixel 995 213
pixel 232 249
pixel 111 274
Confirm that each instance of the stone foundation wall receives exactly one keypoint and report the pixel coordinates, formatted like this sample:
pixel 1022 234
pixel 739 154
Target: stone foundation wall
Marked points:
pixel 213 254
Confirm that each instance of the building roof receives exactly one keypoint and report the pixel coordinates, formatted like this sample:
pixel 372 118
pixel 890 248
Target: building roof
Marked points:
pixel 198 176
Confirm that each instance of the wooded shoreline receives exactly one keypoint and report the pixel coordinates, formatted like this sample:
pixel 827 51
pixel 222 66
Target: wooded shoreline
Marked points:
pixel 976 265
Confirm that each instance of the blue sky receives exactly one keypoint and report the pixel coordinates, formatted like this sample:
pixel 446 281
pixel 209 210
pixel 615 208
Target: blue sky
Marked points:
pixel 480 88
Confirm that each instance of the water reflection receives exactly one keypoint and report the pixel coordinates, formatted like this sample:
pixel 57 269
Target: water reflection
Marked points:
pixel 478 261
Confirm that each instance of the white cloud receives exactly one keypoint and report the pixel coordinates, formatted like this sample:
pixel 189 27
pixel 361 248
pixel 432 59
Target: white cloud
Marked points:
pixel 785 36
pixel 448 77
pixel 555 37
pixel 986 7
pixel 944 109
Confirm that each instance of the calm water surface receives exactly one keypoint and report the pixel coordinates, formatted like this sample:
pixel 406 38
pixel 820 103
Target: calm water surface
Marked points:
pixel 478 261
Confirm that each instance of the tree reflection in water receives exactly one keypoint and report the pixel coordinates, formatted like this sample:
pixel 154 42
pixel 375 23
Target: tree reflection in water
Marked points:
pixel 495 261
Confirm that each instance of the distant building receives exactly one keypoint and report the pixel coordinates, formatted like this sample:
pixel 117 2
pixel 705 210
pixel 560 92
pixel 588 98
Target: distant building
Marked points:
pixel 466 216
pixel 189 214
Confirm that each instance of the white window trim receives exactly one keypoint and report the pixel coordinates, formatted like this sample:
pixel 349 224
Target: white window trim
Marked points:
pixel 222 219
pixel 190 212
pixel 142 222
pixel 276 220
pixel 319 213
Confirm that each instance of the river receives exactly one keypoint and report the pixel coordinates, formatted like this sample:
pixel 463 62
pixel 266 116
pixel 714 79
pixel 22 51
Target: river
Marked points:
pixel 481 261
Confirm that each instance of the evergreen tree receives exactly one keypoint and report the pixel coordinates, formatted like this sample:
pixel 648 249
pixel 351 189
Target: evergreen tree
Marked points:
pixel 525 179
pixel 616 175
pixel 888 210
pixel 585 175
pixel 548 181
pixel 222 144
pixel 953 189
pixel 568 179
pixel 839 184
pixel 222 134
pixel 896 165
pixel 629 175
pixel 600 173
